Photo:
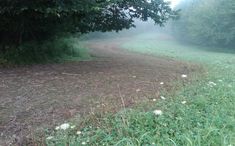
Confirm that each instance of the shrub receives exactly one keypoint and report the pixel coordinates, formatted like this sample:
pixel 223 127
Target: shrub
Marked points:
pixel 55 50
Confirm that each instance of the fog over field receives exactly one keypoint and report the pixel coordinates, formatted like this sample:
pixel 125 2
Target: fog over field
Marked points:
pixel 203 23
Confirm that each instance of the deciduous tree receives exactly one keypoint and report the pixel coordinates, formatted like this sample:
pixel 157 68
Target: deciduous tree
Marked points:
pixel 27 20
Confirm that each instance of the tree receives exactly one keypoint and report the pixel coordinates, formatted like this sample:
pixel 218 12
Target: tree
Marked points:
pixel 209 22
pixel 27 20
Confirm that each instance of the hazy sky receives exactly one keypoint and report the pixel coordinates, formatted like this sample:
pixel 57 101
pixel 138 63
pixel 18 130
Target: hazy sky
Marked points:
pixel 173 2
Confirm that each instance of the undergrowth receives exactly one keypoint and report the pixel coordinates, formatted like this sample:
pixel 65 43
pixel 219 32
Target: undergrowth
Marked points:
pixel 55 50
pixel 202 113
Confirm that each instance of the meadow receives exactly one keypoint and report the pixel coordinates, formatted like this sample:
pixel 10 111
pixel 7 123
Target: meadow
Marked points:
pixel 198 113
pixel 98 72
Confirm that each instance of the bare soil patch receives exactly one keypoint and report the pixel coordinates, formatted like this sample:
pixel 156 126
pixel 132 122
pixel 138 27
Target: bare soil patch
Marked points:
pixel 42 96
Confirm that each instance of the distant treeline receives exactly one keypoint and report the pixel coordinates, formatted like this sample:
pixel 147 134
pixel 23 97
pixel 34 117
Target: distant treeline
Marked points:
pixel 207 22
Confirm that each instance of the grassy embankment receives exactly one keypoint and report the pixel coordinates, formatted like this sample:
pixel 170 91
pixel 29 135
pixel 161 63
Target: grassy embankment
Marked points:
pixel 202 113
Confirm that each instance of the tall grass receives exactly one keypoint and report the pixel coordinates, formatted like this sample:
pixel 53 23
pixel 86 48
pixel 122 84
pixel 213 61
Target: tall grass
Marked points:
pixel 55 50
pixel 202 113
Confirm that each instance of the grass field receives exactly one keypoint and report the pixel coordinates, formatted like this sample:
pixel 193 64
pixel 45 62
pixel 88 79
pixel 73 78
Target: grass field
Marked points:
pixel 202 113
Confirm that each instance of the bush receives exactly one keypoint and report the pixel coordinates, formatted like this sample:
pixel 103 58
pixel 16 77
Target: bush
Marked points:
pixel 55 50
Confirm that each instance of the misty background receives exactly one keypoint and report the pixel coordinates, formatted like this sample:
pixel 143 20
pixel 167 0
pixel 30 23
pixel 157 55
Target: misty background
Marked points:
pixel 201 22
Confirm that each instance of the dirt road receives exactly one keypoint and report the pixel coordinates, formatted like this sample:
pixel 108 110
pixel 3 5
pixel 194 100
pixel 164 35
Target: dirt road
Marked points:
pixel 41 96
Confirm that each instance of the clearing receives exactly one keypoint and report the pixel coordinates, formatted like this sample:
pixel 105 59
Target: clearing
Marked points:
pixel 42 96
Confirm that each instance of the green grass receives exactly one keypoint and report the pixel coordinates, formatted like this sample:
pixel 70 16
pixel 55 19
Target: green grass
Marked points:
pixel 207 118
pixel 56 50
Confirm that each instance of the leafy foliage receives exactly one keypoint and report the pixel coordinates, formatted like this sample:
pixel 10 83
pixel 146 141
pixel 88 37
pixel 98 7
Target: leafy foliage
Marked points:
pixel 53 50
pixel 207 22
pixel 26 20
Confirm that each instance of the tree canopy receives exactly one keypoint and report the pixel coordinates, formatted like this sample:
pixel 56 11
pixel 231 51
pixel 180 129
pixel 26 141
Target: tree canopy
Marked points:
pixel 27 20
pixel 210 22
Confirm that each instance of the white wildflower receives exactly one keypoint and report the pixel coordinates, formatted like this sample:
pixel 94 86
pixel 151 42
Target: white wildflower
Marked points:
pixel 184 76
pixel 184 102
pixel 220 80
pixel 211 84
pixel 73 126
pixel 157 112
pixel 137 90
pixel 63 126
pixel 83 143
pixel 162 83
pixel 162 97
pixel 79 132
pixel 154 100
pixel 57 128
pixel 50 137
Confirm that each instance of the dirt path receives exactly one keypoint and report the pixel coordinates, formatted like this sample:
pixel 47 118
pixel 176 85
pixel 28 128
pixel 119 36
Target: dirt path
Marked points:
pixel 39 96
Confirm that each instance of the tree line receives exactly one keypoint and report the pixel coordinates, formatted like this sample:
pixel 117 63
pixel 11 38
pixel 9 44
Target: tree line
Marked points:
pixel 209 22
